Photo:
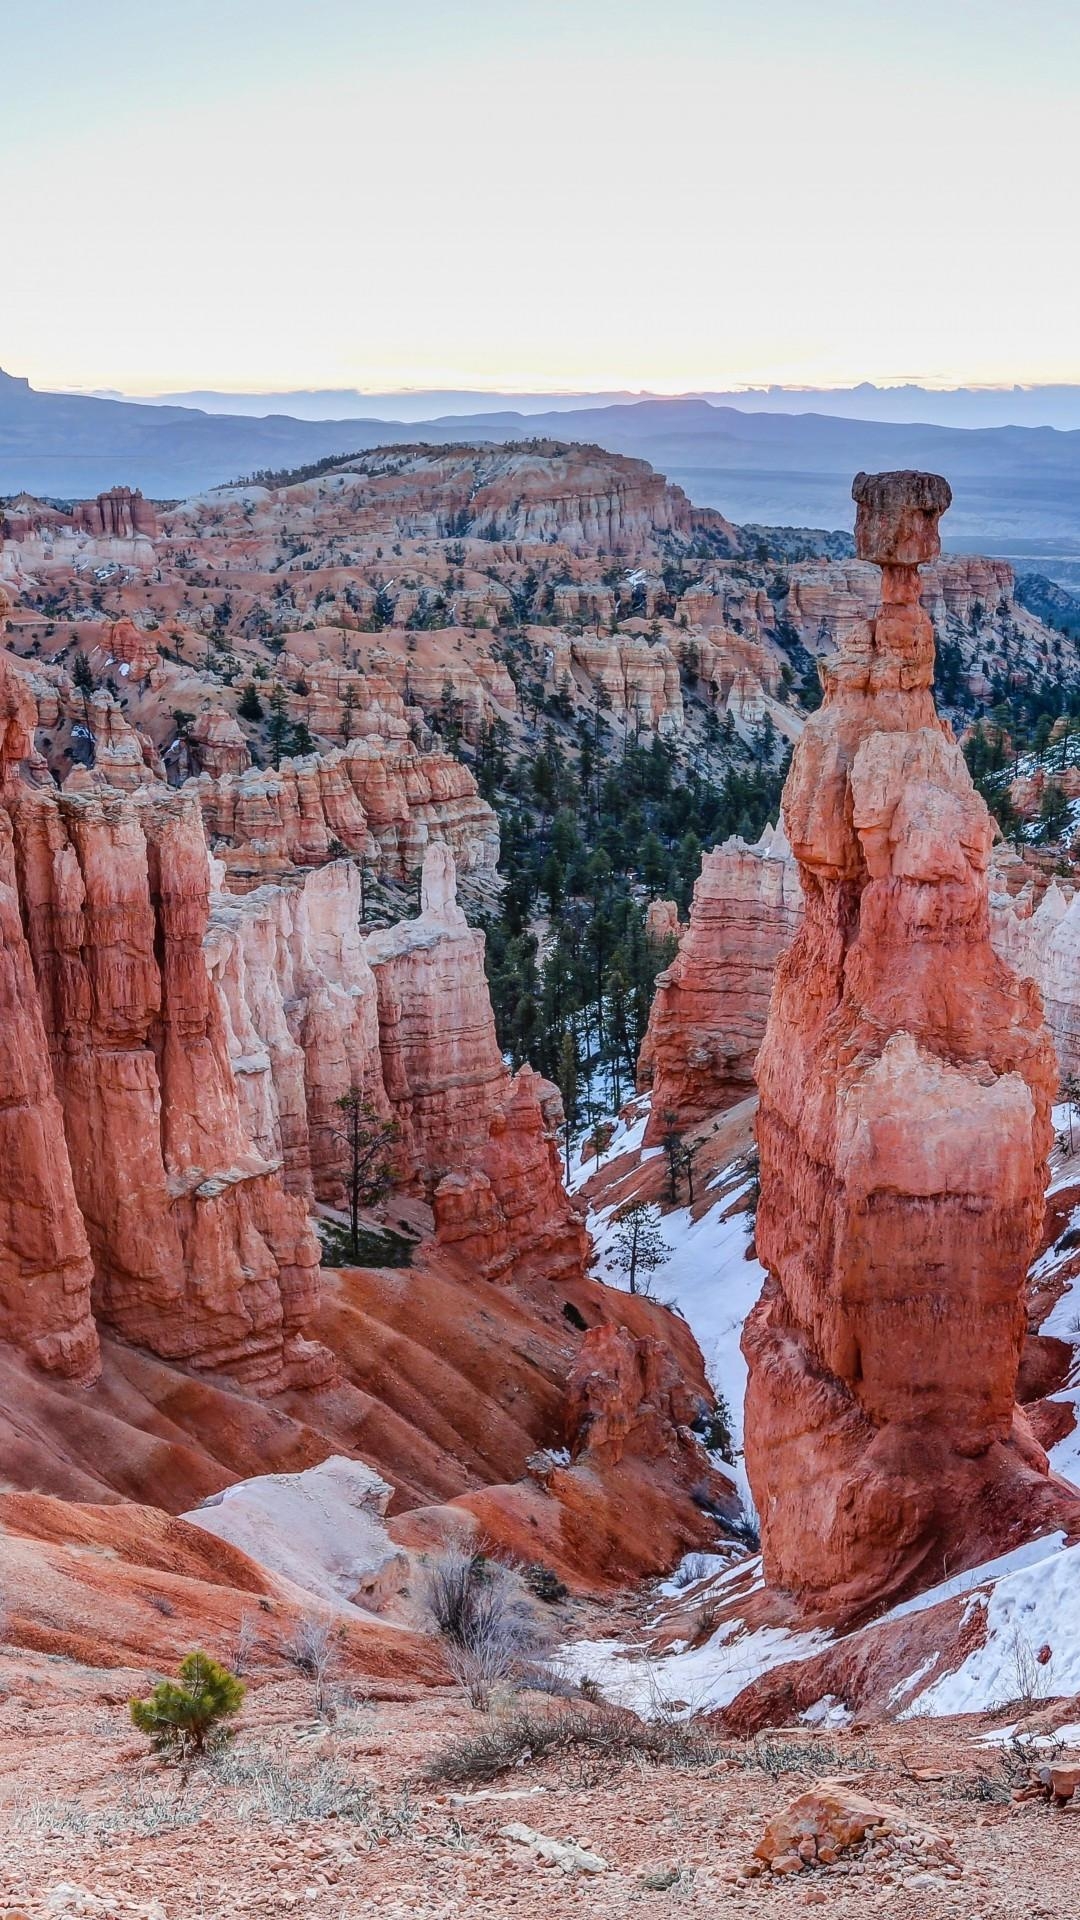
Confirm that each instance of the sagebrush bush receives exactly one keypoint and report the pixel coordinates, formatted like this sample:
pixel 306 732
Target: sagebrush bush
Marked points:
pixel 527 1737
pixel 481 1609
pixel 180 1715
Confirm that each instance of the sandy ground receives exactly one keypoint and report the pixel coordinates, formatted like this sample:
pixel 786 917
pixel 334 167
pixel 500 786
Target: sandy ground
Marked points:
pixel 89 1824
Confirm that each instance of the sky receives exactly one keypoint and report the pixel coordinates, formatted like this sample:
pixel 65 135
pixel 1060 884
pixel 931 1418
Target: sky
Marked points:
pixel 552 194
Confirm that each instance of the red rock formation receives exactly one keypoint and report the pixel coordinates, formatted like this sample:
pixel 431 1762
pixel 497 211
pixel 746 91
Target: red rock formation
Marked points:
pixel 905 1082
pixel 641 682
pixel 509 1210
pixel 708 1014
pixel 216 743
pixel 45 1268
pixel 198 1252
pixel 264 821
pixel 123 757
pixel 626 1395
pixel 442 1069
pixel 124 1584
pixel 581 496
pixel 298 1000
pixel 1042 943
pixel 379 798
pixel 119 514
pixel 826 599
pixel 746 914
pixel 131 648
pixel 413 800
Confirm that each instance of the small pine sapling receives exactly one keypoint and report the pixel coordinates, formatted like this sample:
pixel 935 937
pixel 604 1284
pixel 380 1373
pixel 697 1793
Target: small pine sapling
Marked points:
pixel 180 1715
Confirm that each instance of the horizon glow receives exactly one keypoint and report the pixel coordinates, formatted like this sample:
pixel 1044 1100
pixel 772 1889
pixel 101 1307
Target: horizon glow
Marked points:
pixel 539 195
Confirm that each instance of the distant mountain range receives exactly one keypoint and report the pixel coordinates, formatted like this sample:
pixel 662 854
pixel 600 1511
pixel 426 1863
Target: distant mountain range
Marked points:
pixel 909 404
pixel 1017 488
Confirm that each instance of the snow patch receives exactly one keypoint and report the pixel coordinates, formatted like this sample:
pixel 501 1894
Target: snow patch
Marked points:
pixel 1034 1604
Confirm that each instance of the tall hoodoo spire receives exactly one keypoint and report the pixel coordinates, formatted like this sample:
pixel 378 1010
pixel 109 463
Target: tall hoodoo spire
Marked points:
pixel 905 1081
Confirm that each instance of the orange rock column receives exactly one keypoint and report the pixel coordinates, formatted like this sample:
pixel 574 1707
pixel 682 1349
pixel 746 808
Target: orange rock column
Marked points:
pixel 905 1083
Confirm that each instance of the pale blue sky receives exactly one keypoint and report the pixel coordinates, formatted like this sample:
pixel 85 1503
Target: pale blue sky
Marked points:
pixel 678 194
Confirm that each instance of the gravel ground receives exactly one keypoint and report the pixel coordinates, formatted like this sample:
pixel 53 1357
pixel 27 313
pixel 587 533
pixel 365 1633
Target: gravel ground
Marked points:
pixel 90 1825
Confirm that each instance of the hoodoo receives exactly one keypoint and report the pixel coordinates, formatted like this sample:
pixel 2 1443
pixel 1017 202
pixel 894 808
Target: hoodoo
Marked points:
pixel 905 1078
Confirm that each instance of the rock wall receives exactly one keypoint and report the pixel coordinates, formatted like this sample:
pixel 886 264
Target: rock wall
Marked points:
pixel 509 1206
pixel 709 1009
pixel 122 756
pixel 1042 943
pixel 45 1266
pixel 827 599
pixel 708 1014
pixel 641 682
pixel 584 498
pixel 198 1253
pixel 444 1075
pixel 905 1081
pixel 313 1009
pixel 133 649
pixel 378 798
pixel 299 1006
pixel 216 743
pixel 119 515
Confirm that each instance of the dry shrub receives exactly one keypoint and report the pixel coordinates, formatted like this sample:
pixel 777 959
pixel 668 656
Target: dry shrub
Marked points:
pixel 482 1610
pixel 314 1649
pixel 528 1737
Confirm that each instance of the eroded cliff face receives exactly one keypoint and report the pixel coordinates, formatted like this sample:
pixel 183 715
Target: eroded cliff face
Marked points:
pixel 708 1013
pixel 639 684
pixel 905 1082
pixel 826 601
pixel 709 1010
pixel 444 1075
pixel 301 1020
pixel 1041 940
pixel 314 1009
pixel 192 1251
pixel 45 1266
pixel 380 799
pixel 198 1253
pixel 509 1209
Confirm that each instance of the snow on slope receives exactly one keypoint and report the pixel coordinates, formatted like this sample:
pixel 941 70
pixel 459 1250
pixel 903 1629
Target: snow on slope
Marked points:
pixel 1031 1600
pixel 696 1680
pixel 1032 1606
pixel 711 1277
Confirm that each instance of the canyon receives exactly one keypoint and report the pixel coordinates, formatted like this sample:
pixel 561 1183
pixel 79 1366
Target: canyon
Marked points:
pixel 369 785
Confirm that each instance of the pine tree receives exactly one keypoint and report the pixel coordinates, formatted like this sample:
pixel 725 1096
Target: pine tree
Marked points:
pixel 1054 811
pixel 568 1087
pixel 369 1141
pixel 654 864
pixel 640 1247
pixel 552 881
pixel 250 706
pixel 82 674
pixel 278 728
pixel 674 1153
